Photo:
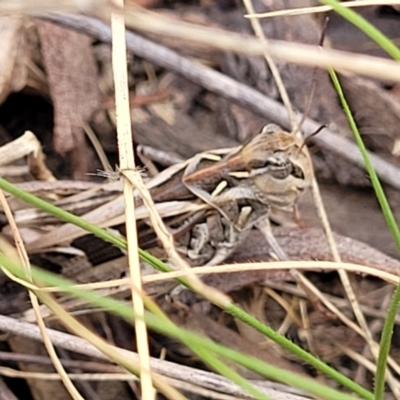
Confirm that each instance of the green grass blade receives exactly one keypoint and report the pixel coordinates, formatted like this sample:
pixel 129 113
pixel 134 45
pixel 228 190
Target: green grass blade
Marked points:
pixel 388 327
pixel 361 23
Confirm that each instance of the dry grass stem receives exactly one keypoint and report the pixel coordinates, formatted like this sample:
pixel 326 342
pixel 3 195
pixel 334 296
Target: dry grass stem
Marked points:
pixel 285 51
pixel 342 273
pixel 232 268
pixel 255 23
pixel 291 314
pixel 97 146
pixel 35 6
pixel 125 146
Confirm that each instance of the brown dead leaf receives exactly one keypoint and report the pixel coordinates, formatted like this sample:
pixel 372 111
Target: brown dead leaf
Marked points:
pixel 13 55
pixel 71 72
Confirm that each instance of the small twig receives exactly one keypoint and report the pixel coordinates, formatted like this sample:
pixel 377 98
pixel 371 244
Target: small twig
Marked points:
pixel 112 376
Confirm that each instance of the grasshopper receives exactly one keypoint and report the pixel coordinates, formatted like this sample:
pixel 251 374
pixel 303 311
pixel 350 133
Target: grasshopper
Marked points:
pixel 271 171
pixel 240 187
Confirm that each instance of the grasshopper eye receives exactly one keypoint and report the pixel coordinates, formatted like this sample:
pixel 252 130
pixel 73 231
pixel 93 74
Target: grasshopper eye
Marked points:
pixel 297 172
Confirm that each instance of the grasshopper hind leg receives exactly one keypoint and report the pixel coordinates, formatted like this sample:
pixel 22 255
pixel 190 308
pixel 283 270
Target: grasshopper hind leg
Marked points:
pixel 213 241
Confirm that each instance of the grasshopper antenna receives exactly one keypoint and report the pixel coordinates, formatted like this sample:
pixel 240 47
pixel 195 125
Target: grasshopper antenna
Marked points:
pixel 313 84
pixel 306 139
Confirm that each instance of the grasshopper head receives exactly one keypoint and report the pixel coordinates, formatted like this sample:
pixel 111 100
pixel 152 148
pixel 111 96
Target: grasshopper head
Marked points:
pixel 278 165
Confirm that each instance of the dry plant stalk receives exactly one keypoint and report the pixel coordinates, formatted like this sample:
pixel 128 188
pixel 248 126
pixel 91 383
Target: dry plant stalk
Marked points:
pixel 127 162
pixel 297 53
pixel 271 63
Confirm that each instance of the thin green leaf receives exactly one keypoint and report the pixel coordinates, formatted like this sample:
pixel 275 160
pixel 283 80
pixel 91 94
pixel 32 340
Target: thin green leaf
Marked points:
pixel 387 332
pixel 370 30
